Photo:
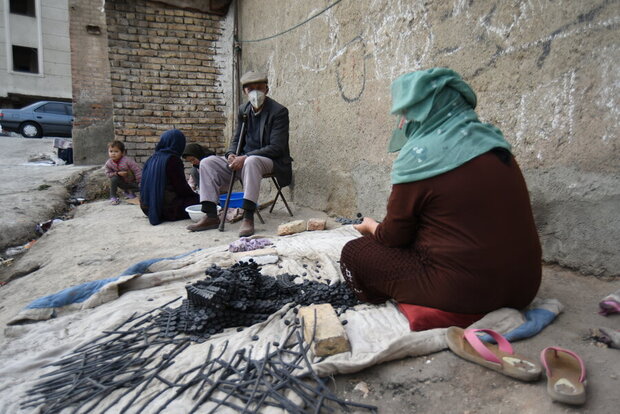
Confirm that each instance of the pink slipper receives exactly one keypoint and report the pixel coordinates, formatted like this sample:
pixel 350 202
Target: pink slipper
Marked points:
pixel 566 375
pixel 500 357
pixel 608 307
pixel 610 304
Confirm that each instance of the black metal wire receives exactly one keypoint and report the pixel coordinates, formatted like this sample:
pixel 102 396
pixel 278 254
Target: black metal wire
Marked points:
pixel 291 28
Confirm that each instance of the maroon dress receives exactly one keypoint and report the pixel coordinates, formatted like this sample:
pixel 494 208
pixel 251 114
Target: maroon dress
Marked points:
pixel 463 241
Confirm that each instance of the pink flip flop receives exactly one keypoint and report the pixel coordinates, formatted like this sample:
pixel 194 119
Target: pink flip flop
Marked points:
pixel 610 304
pixel 609 307
pixel 500 357
pixel 566 375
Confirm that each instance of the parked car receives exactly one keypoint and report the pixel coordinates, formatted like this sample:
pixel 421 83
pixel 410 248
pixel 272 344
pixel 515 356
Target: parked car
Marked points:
pixel 48 118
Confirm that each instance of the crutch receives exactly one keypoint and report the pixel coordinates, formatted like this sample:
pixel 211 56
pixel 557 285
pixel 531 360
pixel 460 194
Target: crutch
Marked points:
pixel 234 173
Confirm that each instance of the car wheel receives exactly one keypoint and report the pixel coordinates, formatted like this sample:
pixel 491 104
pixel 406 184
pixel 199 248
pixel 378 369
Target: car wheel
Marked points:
pixel 30 130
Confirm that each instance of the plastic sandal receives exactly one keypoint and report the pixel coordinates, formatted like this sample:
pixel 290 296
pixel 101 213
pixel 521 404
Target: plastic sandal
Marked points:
pixel 130 196
pixel 114 201
pixel 609 307
pixel 566 375
pixel 610 304
pixel 500 357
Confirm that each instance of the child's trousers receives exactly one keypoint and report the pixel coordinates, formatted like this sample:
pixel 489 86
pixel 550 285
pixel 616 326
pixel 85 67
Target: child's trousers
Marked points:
pixel 116 182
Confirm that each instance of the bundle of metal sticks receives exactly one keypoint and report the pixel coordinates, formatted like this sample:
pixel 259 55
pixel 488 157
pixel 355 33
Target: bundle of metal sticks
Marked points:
pixel 131 354
pixel 116 369
pixel 282 378
pixel 241 296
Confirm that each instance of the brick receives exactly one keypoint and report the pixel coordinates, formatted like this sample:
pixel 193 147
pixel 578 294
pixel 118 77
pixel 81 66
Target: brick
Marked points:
pixel 323 330
pixel 156 54
pixel 316 224
pixel 292 227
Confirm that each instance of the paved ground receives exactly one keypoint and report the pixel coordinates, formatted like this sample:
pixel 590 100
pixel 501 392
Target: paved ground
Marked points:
pixel 102 240
pixel 30 192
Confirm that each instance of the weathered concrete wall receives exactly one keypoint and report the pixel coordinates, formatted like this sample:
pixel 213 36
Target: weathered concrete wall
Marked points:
pixel 90 70
pixel 545 73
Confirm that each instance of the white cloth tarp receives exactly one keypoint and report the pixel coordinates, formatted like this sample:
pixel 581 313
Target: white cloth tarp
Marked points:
pixel 376 333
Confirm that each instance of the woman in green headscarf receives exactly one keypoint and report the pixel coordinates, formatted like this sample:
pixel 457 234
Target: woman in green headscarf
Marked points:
pixel 459 234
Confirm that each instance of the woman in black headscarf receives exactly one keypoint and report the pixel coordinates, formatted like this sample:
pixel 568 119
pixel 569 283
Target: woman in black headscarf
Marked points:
pixel 164 192
pixel 193 154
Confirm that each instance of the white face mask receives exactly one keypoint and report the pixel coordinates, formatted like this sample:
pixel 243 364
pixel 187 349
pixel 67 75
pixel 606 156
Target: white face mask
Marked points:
pixel 257 98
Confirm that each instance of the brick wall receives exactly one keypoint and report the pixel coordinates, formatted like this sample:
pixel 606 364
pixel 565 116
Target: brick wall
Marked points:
pixel 92 94
pixel 164 74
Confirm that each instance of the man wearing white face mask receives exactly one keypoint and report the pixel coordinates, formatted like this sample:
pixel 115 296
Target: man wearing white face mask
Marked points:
pixel 264 151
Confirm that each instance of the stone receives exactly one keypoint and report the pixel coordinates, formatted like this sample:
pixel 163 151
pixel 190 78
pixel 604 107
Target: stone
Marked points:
pixel 330 337
pixel 292 227
pixel 316 224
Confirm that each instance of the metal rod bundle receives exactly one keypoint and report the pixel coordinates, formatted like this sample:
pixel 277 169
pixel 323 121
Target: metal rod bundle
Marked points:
pixel 117 369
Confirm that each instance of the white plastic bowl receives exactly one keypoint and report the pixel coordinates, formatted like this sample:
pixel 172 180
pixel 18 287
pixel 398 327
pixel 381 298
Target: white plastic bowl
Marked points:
pixel 195 212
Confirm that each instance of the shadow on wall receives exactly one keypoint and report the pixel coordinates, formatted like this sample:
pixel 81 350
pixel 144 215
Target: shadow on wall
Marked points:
pixel 577 218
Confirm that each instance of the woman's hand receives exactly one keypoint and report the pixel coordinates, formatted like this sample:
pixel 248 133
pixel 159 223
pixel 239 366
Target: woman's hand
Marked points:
pixel 367 226
pixel 122 173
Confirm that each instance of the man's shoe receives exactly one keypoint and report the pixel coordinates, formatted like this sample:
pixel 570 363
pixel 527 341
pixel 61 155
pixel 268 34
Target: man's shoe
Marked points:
pixel 205 223
pixel 247 228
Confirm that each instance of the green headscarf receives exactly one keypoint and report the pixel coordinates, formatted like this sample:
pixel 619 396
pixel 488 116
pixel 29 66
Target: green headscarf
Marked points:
pixel 438 129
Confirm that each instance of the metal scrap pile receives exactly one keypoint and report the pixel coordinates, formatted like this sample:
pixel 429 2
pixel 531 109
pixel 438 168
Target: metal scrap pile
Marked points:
pixel 241 296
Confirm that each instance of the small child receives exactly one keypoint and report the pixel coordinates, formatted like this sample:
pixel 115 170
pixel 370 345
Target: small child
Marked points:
pixel 123 172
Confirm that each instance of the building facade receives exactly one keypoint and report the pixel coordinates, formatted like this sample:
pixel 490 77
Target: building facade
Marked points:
pixel 35 54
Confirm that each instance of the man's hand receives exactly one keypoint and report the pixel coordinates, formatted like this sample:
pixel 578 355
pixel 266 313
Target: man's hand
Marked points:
pixel 235 162
pixel 367 226
pixel 122 173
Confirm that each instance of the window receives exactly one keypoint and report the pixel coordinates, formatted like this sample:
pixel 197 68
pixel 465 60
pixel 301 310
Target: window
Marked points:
pixel 25 7
pixel 25 59
pixel 53 108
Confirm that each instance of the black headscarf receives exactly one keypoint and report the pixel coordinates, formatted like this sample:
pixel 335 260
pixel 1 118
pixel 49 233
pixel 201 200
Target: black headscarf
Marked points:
pixel 197 150
pixel 153 181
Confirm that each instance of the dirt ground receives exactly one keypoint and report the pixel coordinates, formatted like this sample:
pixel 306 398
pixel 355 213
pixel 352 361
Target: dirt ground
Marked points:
pixel 102 240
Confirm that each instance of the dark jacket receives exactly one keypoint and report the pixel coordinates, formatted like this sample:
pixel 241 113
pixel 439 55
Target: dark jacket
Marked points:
pixel 273 137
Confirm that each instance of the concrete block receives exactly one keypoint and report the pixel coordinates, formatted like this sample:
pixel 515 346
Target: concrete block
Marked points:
pixel 316 224
pixel 292 227
pixel 330 338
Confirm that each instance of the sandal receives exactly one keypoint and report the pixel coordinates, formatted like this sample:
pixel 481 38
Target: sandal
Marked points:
pixel 566 375
pixel 500 357
pixel 114 201
pixel 610 304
